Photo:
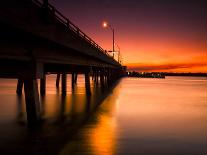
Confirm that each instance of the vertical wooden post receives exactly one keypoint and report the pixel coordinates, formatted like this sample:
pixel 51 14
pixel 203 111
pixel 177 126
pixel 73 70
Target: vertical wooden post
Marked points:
pixel 32 100
pixel 43 85
pixel 108 77
pixel 73 80
pixel 76 78
pixel 105 76
pixel 64 83
pixel 97 76
pixel 58 80
pixel 87 83
pixel 102 79
pixel 19 86
pixel 92 73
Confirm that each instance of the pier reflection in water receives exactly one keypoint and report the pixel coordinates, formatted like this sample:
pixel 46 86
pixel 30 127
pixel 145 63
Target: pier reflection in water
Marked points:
pixel 148 116
pixel 139 116
pixel 62 117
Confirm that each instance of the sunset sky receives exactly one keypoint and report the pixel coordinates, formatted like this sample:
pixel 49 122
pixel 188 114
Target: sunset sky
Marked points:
pixel 154 35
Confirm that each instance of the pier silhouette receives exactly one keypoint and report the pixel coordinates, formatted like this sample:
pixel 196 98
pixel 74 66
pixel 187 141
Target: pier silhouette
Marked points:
pixel 36 39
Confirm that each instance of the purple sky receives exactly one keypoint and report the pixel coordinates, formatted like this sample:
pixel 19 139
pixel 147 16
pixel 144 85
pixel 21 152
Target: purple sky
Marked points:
pixel 145 29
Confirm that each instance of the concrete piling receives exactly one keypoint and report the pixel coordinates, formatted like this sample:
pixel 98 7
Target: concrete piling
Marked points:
pixel 64 83
pixel 87 83
pixel 32 100
pixel 58 80
pixel 19 86
pixel 43 85
pixel 73 81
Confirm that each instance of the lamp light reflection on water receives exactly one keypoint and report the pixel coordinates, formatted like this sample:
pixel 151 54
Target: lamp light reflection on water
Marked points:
pixel 140 116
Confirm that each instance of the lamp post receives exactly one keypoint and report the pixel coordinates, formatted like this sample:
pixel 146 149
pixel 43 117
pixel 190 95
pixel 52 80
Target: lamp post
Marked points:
pixel 105 25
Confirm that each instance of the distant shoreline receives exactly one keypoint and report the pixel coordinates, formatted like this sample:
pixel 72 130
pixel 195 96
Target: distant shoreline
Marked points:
pixel 144 74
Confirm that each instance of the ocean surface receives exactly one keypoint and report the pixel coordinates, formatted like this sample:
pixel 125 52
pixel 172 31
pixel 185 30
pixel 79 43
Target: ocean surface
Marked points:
pixel 138 116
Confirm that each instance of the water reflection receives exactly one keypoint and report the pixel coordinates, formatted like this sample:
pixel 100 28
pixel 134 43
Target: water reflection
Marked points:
pixel 148 116
pixel 138 116
pixel 20 113
pixel 101 138
pixel 62 117
pixel 99 135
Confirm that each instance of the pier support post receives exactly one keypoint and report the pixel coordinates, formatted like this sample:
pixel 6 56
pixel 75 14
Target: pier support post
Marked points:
pixel 97 76
pixel 58 80
pixel 76 78
pixel 43 85
pixel 93 74
pixel 102 80
pixel 19 86
pixel 108 77
pixel 64 83
pixel 87 83
pixel 105 78
pixel 73 81
pixel 32 100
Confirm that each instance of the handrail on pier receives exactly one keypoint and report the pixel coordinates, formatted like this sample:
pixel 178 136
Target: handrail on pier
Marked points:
pixel 64 20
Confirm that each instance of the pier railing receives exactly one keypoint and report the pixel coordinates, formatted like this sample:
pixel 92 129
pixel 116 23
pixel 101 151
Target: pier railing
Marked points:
pixel 65 21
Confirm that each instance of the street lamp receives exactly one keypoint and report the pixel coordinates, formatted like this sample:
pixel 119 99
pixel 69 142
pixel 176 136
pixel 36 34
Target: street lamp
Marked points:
pixel 105 25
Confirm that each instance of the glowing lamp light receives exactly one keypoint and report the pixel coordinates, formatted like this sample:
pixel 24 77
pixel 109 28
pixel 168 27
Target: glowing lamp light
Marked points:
pixel 105 24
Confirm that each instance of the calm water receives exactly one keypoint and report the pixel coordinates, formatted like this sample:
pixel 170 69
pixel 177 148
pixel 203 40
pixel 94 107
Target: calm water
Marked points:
pixel 139 116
